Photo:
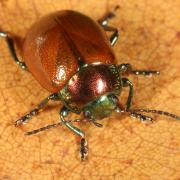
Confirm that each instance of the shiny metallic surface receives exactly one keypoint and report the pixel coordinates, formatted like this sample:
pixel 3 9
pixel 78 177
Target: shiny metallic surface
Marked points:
pixel 101 107
pixel 90 83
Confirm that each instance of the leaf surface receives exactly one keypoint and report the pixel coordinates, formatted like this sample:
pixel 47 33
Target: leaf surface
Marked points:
pixel 124 148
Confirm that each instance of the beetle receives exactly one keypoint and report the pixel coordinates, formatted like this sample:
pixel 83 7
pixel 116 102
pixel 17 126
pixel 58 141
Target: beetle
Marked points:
pixel 71 56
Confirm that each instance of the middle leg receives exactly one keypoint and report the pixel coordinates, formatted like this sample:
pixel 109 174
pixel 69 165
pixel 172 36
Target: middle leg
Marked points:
pixel 36 110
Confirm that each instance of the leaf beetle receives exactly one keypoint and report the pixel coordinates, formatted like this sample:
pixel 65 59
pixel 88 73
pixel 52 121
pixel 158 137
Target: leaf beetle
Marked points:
pixel 71 56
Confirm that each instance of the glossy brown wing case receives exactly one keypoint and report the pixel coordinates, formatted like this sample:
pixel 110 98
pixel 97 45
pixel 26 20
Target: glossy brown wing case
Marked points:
pixel 53 44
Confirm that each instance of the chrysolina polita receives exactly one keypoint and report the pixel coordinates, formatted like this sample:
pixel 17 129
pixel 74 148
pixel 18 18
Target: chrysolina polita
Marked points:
pixel 71 56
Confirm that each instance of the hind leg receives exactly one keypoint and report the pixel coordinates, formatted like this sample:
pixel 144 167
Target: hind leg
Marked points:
pixel 104 23
pixel 12 51
pixel 109 15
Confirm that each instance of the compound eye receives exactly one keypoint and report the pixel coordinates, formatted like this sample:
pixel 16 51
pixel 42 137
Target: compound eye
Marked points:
pixel 87 114
pixel 114 99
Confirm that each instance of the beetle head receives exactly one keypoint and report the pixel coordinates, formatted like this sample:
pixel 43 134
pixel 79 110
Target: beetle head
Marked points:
pixel 101 107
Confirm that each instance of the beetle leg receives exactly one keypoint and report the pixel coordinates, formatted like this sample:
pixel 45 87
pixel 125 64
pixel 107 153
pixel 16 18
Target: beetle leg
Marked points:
pixel 128 68
pixel 109 15
pixel 10 44
pixel 104 23
pixel 36 110
pixel 114 36
pixel 126 83
pixel 83 144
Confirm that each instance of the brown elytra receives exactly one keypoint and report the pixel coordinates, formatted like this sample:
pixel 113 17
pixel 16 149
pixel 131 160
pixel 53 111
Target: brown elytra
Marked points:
pixel 54 44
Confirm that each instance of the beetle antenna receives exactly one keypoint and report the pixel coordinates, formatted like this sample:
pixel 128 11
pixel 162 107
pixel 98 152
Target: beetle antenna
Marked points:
pixel 43 129
pixel 157 112
pixel 51 126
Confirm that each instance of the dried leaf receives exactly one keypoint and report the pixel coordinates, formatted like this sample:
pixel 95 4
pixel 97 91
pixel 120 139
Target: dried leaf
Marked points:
pixel 124 148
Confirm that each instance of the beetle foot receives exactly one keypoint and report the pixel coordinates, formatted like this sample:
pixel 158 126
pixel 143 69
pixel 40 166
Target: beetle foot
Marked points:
pixel 20 121
pixel 83 149
pixel 25 118
pixel 141 117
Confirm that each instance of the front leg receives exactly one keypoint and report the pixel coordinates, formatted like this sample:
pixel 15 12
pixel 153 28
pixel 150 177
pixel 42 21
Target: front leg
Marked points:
pixel 83 144
pixel 36 110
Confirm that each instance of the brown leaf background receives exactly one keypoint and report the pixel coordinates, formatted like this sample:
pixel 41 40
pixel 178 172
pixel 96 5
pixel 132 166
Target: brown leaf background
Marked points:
pixel 124 148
